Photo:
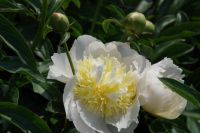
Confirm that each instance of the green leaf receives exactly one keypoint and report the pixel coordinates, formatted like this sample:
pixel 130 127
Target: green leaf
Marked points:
pixel 23 118
pixel 10 6
pixel 188 93
pixel 13 94
pixel 10 35
pixel 187 26
pixel 172 49
pixel 47 90
pixel 164 22
pixel 117 11
pixel 13 64
pixel 195 114
pixel 73 131
pixel 144 5
pixel 184 34
pixel 40 90
pixel 193 125
pixel 77 3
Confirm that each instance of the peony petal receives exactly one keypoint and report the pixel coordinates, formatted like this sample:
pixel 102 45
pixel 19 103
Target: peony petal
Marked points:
pixel 95 49
pixel 92 120
pixel 124 121
pixel 129 129
pixel 79 46
pixel 68 97
pixel 78 122
pixel 112 50
pixel 128 56
pixel 156 98
pixel 60 70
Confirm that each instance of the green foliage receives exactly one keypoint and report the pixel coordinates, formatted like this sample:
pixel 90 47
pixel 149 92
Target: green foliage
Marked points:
pixel 27 43
pixel 23 118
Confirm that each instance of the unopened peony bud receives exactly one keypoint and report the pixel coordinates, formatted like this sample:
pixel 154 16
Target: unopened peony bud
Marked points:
pixel 135 21
pixel 59 22
pixel 149 27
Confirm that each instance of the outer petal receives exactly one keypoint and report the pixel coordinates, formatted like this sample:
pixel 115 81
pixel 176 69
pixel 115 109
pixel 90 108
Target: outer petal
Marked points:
pixel 68 97
pixel 60 70
pixel 92 120
pixel 79 46
pixel 129 129
pixel 78 122
pixel 124 121
pixel 156 98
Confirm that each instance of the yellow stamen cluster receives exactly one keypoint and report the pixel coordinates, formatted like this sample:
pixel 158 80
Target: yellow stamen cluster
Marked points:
pixel 104 86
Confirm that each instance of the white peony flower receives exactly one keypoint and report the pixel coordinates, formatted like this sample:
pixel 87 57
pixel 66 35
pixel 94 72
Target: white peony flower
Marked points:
pixel 102 96
pixel 155 97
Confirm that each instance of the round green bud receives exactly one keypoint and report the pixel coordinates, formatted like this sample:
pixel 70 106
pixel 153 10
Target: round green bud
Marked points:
pixel 135 21
pixel 59 22
pixel 149 27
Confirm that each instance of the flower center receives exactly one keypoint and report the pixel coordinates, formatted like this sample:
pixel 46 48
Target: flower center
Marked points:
pixel 104 86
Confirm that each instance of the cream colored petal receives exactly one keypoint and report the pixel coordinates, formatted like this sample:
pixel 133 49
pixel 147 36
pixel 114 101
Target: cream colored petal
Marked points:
pixel 156 98
pixel 80 125
pixel 79 46
pixel 68 97
pixel 124 121
pixel 92 120
pixel 60 70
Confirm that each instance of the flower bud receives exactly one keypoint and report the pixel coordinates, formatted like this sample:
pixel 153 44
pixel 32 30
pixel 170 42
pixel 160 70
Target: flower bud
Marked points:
pixel 59 22
pixel 149 27
pixel 135 21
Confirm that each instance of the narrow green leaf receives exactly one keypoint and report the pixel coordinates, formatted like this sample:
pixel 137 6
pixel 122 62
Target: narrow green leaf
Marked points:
pixel 193 125
pixel 23 118
pixel 195 114
pixel 188 93
pixel 173 49
pixel 117 11
pixel 144 5
pixel 184 34
pixel 187 26
pixel 10 35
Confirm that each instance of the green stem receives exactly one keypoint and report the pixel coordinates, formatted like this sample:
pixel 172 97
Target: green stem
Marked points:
pixel 99 4
pixel 41 27
pixel 69 58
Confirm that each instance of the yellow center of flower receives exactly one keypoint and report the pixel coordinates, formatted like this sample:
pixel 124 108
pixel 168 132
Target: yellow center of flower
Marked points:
pixel 104 86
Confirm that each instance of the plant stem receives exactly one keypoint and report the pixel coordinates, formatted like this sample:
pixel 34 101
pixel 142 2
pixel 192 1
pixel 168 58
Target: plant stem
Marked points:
pixel 99 4
pixel 69 58
pixel 41 27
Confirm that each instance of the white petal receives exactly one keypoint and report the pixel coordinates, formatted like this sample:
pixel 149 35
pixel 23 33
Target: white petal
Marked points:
pixel 92 120
pixel 78 122
pixel 156 98
pixel 112 50
pixel 124 121
pixel 130 129
pixel 95 49
pixel 60 70
pixel 68 97
pixel 131 58
pixel 79 46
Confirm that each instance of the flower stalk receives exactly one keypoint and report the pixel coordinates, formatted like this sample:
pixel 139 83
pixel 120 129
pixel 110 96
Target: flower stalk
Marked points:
pixel 69 58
